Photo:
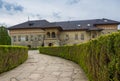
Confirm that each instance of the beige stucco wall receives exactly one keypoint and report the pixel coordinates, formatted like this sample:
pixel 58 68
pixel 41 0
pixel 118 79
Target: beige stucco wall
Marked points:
pixel 112 26
pixel 107 29
pixel 28 32
pixel 71 40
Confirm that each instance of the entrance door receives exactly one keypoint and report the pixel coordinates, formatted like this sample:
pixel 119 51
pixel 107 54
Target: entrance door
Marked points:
pixel 50 44
pixel 29 46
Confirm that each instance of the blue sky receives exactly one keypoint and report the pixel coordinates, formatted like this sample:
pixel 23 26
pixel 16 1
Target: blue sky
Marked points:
pixel 17 11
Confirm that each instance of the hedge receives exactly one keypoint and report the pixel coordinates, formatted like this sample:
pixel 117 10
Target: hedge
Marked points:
pixel 12 56
pixel 99 58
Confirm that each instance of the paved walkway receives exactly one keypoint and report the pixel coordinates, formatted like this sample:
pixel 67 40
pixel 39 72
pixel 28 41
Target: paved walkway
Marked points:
pixel 40 67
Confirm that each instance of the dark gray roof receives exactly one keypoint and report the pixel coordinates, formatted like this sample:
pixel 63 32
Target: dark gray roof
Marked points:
pixel 66 25
pixel 84 24
pixel 33 24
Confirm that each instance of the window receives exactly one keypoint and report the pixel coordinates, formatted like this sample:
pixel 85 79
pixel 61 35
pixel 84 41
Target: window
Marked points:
pixel 53 35
pixel 93 36
pixel 76 36
pixel 26 38
pixel 23 38
pixel 35 38
pixel 82 36
pixel 14 38
pixel 19 38
pixel 48 34
pixel 39 37
pixel 67 37
pixel 31 37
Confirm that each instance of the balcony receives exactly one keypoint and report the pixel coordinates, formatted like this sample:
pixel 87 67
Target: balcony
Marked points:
pixel 51 36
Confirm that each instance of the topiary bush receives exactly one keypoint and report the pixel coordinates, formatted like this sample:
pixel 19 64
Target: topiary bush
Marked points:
pixel 99 58
pixel 4 37
pixel 12 56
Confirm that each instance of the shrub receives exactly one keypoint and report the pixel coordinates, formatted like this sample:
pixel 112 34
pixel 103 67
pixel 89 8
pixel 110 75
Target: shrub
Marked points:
pixel 11 57
pixel 4 37
pixel 99 58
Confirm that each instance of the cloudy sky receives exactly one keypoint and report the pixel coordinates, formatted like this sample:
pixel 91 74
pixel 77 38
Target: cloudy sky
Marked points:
pixel 16 11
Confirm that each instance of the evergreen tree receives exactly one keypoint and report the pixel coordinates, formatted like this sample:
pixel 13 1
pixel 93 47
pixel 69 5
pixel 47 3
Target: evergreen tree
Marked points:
pixel 4 36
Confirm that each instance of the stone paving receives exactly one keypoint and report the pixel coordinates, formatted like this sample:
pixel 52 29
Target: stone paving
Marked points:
pixel 41 67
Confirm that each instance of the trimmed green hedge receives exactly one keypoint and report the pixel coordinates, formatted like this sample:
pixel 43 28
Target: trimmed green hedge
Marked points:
pixel 12 56
pixel 99 58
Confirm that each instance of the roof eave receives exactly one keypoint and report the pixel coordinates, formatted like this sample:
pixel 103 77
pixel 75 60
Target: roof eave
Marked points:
pixel 24 28
pixel 74 29
pixel 35 28
pixel 58 27
pixel 107 23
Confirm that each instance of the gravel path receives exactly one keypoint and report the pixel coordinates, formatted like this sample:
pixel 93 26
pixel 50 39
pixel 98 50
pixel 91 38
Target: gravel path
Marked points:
pixel 41 67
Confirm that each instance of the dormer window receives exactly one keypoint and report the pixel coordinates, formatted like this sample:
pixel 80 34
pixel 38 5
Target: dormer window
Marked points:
pixel 88 24
pixel 31 24
pixel 79 25
pixel 105 20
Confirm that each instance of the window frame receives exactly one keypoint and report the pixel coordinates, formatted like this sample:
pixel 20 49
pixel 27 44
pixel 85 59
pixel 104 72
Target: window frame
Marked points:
pixel 53 35
pixel 76 36
pixel 82 36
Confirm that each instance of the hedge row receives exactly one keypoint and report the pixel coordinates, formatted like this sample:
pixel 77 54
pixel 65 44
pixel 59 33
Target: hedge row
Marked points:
pixel 12 56
pixel 99 58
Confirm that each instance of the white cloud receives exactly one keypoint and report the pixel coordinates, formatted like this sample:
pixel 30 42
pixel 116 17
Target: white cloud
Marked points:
pixel 60 10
